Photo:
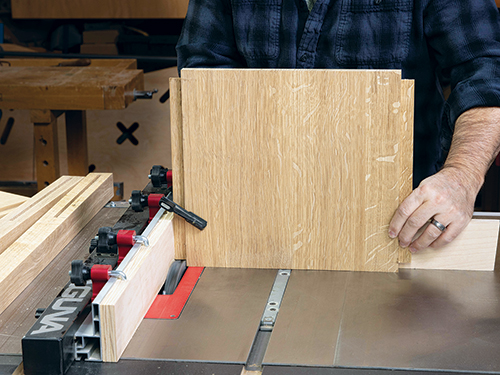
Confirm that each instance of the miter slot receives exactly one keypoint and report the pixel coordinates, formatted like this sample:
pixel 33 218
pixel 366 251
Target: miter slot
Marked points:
pixel 261 341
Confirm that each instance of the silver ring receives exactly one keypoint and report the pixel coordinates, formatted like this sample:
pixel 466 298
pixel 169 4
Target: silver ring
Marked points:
pixel 438 225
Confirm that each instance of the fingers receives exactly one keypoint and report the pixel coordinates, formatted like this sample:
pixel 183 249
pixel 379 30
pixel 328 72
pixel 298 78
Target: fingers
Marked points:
pixel 404 211
pixel 430 234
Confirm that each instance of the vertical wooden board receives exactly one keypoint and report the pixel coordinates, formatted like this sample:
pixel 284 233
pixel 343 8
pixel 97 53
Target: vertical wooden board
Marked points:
pixel 146 273
pixel 177 164
pixel 15 223
pixel 407 109
pixel 76 137
pixel 473 250
pixel 301 166
pixel 34 250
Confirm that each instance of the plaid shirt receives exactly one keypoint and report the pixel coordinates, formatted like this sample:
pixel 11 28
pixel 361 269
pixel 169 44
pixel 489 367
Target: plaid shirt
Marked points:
pixel 432 41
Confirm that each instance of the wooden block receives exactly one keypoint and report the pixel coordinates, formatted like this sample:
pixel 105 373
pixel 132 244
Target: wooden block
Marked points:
pixel 473 250
pixel 101 9
pixel 177 164
pixel 8 202
pixel 99 49
pixel 14 224
pixel 407 109
pixel 34 250
pixel 301 168
pixel 146 273
pixel 100 36
pixel 68 88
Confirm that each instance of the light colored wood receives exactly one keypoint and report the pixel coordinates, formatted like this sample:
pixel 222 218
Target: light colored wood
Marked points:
pixel 8 202
pixel 407 109
pixel 14 224
pixel 146 273
pixel 98 9
pixel 473 250
pixel 19 370
pixel 292 168
pixel 34 250
pixel 68 88
pixel 177 164
pixel 244 371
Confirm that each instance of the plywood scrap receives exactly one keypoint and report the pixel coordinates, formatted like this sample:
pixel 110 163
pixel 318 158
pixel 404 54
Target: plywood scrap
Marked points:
pixel 16 222
pixel 146 273
pixel 473 250
pixel 9 201
pixel 293 168
pixel 34 250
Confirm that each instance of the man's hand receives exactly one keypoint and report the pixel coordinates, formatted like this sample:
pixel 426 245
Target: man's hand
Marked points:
pixel 448 196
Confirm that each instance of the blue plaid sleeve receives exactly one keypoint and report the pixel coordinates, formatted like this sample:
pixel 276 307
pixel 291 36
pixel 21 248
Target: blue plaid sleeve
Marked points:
pixel 207 38
pixel 466 40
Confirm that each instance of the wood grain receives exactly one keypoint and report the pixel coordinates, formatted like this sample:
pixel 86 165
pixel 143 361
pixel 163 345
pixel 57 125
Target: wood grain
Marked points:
pixel 68 88
pixel 98 9
pixel 34 250
pixel 16 222
pixel 18 318
pixel 301 168
pixel 8 202
pixel 473 250
pixel 407 109
pixel 46 151
pixel 146 273
pixel 177 164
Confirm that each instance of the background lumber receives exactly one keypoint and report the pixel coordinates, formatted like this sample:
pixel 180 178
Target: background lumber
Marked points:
pixel 9 201
pixel 146 273
pixel 292 168
pixel 473 250
pixel 14 224
pixel 35 249
pixel 99 9
pixel 72 88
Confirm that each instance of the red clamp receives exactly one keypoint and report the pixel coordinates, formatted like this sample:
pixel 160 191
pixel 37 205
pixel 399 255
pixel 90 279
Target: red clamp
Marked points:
pixel 169 178
pixel 154 205
pixel 125 240
pixel 99 274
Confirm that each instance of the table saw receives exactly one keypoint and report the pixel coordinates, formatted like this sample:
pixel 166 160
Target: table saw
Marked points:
pixel 325 321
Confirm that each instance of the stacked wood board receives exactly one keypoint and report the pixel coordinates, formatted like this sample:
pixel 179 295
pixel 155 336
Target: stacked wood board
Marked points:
pixel 297 169
pixel 9 201
pixel 34 233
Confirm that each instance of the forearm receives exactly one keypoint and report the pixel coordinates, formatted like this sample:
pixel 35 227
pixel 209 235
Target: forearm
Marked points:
pixel 476 143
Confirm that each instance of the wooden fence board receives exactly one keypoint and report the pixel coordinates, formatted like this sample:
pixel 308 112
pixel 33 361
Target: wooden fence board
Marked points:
pixel 292 168
pixel 146 273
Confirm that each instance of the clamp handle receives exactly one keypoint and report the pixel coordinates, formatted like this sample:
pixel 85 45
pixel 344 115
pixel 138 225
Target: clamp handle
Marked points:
pixel 169 205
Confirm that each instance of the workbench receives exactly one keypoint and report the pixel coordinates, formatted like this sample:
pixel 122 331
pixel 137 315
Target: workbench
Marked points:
pixel 52 87
pixel 329 322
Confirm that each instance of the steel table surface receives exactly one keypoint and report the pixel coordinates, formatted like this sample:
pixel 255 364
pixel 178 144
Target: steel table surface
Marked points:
pixel 417 320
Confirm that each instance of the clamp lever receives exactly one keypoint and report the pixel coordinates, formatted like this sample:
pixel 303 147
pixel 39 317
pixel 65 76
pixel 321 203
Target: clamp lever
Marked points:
pixel 144 94
pixel 169 205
